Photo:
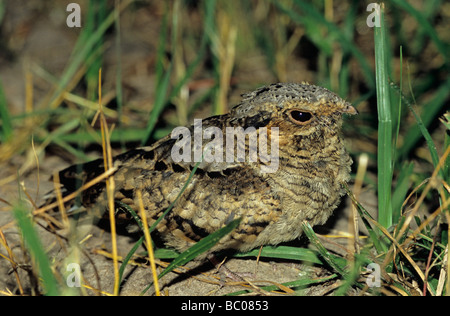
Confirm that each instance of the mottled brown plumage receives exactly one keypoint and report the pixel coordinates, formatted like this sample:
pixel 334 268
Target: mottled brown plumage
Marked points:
pixel 306 185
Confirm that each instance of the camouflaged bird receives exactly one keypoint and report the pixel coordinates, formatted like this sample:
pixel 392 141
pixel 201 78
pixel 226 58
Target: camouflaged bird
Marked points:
pixel 306 185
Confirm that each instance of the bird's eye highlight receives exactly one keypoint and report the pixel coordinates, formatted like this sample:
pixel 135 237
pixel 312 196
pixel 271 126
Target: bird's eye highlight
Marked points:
pixel 300 117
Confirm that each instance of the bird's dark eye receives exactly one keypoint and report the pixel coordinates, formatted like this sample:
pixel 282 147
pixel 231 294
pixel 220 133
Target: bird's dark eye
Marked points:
pixel 300 117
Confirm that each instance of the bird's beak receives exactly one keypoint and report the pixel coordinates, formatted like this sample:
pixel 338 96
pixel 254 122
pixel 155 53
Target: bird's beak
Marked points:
pixel 350 110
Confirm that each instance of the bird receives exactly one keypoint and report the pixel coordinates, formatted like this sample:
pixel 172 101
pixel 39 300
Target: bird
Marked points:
pixel 272 190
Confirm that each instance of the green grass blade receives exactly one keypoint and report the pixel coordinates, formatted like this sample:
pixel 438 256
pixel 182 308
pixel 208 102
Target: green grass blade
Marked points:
pixel 200 247
pixel 433 107
pixel 178 196
pixel 365 216
pixel 4 116
pixel 423 129
pixel 385 141
pixel 96 16
pixel 401 189
pixel 34 245
pixel 398 110
pixel 128 257
pixel 431 145
pixel 283 252
pixel 141 240
pixel 136 245
pixel 165 253
pixel 338 264
pixel 428 139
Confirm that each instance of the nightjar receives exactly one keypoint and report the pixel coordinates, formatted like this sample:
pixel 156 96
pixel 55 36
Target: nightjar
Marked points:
pixel 273 189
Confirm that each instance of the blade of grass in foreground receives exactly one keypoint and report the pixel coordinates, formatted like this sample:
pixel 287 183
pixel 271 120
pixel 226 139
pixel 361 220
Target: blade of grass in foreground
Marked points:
pixel 433 106
pixel 428 139
pixel 335 262
pixel 200 247
pixel 385 145
pixel 34 245
pixel 375 236
pixel 283 252
pixel 4 116
pixel 141 240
